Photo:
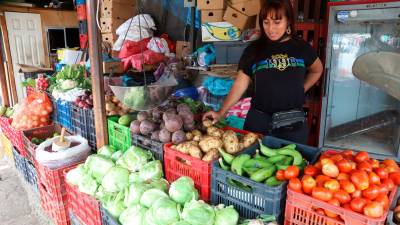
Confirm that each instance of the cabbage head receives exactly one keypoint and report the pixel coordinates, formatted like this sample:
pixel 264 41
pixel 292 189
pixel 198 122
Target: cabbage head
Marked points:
pixel 106 150
pixel 165 211
pixel 149 219
pixel 161 184
pixel 135 97
pixel 150 196
pixel 98 166
pixel 104 196
pixel 116 155
pixel 134 192
pixel 134 178
pixel 88 185
pixel 116 205
pixel 181 223
pixel 75 175
pixel 134 215
pixel 198 213
pixel 115 180
pixel 151 171
pixel 226 216
pixel 134 158
pixel 182 190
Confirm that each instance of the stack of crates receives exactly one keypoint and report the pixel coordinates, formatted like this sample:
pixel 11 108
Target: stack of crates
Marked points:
pixel 83 25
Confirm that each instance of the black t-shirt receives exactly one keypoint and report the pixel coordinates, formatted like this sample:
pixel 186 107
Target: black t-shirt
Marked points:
pixel 278 71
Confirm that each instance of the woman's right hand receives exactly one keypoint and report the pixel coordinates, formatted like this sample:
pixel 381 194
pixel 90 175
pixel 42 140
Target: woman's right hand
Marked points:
pixel 213 116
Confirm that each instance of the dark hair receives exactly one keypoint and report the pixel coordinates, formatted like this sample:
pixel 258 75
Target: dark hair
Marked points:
pixel 277 9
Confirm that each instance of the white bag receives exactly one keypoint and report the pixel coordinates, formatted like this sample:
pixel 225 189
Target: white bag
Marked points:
pixel 62 158
pixel 145 22
pixel 159 45
pixel 133 34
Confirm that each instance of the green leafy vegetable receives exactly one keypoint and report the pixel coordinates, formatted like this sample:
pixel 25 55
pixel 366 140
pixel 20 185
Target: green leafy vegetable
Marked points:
pixel 116 179
pixel 74 176
pixel 150 196
pixel 183 190
pixel 198 213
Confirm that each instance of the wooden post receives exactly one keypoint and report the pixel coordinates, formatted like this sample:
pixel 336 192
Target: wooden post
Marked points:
pixel 3 81
pixel 96 71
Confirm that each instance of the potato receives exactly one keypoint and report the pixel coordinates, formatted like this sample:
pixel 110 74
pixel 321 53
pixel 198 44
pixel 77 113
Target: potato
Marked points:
pixel 141 116
pixel 207 123
pixel 211 155
pixel 110 106
pixel 196 132
pixel 189 136
pixel 231 142
pixel 195 152
pixel 208 142
pixel 178 137
pixel 135 127
pixel 185 147
pixel 173 122
pixel 216 132
pixel 147 126
pixel 164 136
pixel 249 139
pixel 107 98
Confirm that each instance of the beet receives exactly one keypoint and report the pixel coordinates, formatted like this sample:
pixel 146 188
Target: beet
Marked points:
pixel 164 136
pixel 147 126
pixel 135 127
pixel 178 137
pixel 173 122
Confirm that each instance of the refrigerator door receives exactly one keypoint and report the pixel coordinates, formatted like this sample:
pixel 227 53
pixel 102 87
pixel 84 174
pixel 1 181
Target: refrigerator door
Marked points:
pixel 355 114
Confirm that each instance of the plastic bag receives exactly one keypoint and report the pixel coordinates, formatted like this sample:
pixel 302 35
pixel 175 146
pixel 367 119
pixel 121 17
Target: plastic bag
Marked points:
pixel 62 158
pixel 146 21
pixel 133 34
pixel 34 112
pixel 133 47
pixel 159 45
pixel 136 61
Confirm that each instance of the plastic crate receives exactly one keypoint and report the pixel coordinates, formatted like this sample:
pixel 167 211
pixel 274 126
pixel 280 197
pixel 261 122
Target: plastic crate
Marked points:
pixel 236 122
pixel 155 147
pixel 300 210
pixel 74 220
pixel 31 175
pixel 119 136
pixel 229 52
pixel 7 147
pixel 83 41
pixel 83 27
pixel 390 217
pixel 19 163
pixel 83 123
pixel 85 207
pixel 64 114
pixel 106 218
pixel 16 139
pixel 262 199
pixel 5 126
pixel 55 209
pixel 54 103
pixel 81 12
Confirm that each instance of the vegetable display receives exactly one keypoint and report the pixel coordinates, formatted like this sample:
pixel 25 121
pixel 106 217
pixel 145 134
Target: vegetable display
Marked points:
pixel 269 166
pixel 115 107
pixel 352 181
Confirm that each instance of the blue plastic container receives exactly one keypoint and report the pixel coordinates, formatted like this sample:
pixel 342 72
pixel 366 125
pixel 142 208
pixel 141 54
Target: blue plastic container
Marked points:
pixel 80 2
pixel 64 115
pixel 187 92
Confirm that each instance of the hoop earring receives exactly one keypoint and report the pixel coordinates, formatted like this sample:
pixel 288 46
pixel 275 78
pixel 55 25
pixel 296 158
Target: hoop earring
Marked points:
pixel 288 30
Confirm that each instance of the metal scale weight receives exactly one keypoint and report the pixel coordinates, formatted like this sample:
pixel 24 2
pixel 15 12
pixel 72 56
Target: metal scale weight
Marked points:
pixel 361 99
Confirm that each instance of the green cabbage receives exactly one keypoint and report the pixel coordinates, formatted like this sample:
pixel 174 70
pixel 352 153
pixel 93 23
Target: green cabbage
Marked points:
pixel 116 205
pixel 134 193
pixel 88 185
pixel 150 196
pixel 133 215
pixel 183 190
pixel 134 178
pixel 115 180
pixel 134 158
pixel 75 175
pixel 151 171
pixel 135 97
pixel 161 184
pixel 198 213
pixel 181 223
pixel 226 216
pixel 165 211
pixel 116 155
pixel 98 166
pixel 104 196
pixel 149 219
pixel 106 150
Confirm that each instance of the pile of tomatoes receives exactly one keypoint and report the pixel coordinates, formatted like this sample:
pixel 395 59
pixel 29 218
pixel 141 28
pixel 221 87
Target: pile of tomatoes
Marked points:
pixel 352 181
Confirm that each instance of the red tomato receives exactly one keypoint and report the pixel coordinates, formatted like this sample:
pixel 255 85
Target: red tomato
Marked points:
pixel 280 175
pixel 374 210
pixel 291 172
pixel 321 180
pixel 342 196
pixel 356 194
pixel 308 183
pixel 371 193
pixel 361 157
pixel 295 185
pixel 336 158
pixel 335 202
pixel 364 166
pixel 326 161
pixel 383 200
pixel 343 176
pixel 347 186
pixel 311 170
pixel 374 163
pixel 389 184
pixel 330 169
pixel 332 185
pixel 395 177
pixel 374 178
pixel 347 206
pixel 389 162
pixel 382 173
pixel 322 194
pixel 344 166
pixel 347 153
pixel 383 189
pixel 357 204
pixel 392 169
pixel 318 165
pixel 360 179
pixel 353 165
pixel 320 211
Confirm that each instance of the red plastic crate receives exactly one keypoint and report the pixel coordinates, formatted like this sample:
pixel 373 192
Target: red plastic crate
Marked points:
pixel 16 139
pixel 56 210
pixel 178 164
pixel 300 210
pixel 5 126
pixel 85 207
pixel 84 41
pixel 81 11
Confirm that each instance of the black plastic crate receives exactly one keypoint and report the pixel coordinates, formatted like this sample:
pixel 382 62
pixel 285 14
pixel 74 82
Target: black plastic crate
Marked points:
pixel 74 219
pixel 260 199
pixel 155 147
pixel 19 163
pixel 229 52
pixel 83 124
pixel 31 175
pixel 106 218
pixel 54 103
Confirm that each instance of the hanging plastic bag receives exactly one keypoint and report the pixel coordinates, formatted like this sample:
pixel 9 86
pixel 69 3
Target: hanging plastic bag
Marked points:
pixel 146 21
pixel 159 45
pixel 150 58
pixel 133 47
pixel 45 156
pixel 133 34
pixel 34 112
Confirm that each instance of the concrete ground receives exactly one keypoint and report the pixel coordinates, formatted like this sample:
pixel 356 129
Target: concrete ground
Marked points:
pixel 19 204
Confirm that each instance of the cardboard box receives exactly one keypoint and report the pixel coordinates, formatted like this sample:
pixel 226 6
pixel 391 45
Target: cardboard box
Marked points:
pixel 210 4
pixel 109 25
pixel 238 19
pixel 249 8
pixel 182 49
pixel 113 67
pixel 237 1
pixel 120 11
pixel 109 37
pixel 208 16
pixel 219 31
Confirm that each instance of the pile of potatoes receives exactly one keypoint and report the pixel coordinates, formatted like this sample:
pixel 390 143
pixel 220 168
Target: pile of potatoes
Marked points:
pixel 115 107
pixel 206 146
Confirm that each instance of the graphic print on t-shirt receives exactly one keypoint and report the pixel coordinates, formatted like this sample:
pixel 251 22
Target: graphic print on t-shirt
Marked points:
pixel 279 62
